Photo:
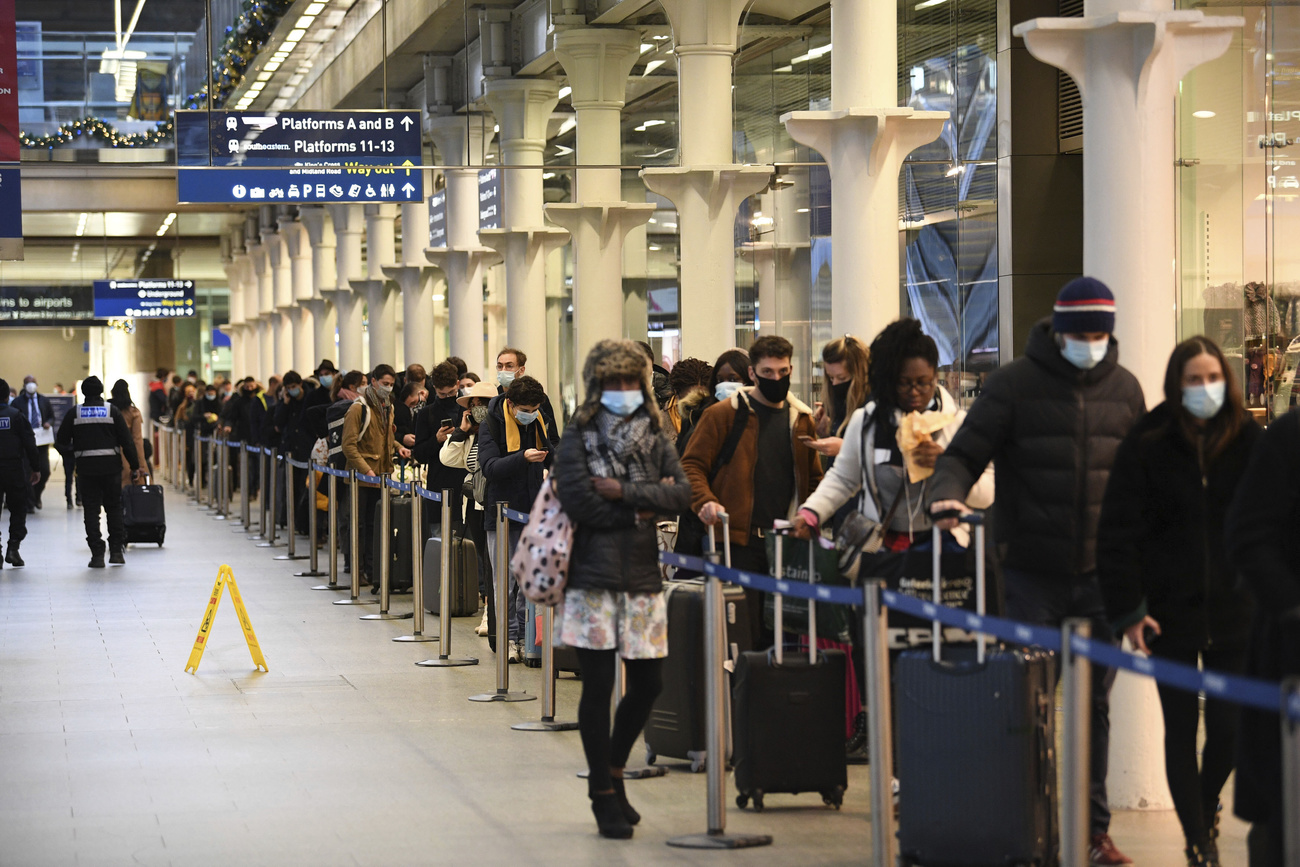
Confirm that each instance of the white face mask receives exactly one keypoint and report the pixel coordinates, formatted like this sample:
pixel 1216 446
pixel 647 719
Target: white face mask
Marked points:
pixel 30 388
pixel 505 377
pixel 1085 354
pixel 1205 401
pixel 725 390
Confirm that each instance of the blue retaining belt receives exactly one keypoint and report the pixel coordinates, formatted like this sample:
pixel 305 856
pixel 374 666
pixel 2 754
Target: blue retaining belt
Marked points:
pixel 300 466
pixel 434 496
pixel 234 445
pixel 517 517
pixel 330 471
pixel 369 480
pixel 401 487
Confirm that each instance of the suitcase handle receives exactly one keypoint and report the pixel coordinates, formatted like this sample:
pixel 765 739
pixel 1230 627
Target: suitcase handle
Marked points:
pixel 975 520
pixel 815 656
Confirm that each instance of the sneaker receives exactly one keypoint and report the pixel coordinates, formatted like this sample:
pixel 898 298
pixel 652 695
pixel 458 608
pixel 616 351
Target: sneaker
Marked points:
pixel 96 560
pixel 515 652
pixel 482 628
pixel 1102 852
pixel 12 558
pixel 117 558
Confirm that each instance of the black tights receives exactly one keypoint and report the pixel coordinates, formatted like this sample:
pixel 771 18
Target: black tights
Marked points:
pixel 1196 790
pixel 604 751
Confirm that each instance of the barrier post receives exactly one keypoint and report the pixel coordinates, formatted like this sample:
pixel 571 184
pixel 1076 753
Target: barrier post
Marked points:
pixel 209 488
pixel 270 487
pixel 261 497
pixel 313 558
pixel 385 555
pixel 501 594
pixel 880 736
pixel 715 653
pixel 417 566
pixel 1076 732
pixel 444 658
pixel 232 467
pixel 290 511
pixel 245 500
pixel 332 515
pixel 548 723
pixel 223 480
pixel 1291 770
pixel 354 540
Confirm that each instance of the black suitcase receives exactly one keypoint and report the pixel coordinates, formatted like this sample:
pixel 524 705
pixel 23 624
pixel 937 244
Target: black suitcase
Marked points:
pixel 400 564
pixel 676 727
pixel 144 514
pixel 976 755
pixel 464 576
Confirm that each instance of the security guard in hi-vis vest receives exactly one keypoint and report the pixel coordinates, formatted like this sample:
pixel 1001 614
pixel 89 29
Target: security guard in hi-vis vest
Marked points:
pixel 17 457
pixel 99 438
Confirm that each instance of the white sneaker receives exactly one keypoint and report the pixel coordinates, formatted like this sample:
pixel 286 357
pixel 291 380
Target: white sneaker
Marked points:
pixel 482 628
pixel 516 652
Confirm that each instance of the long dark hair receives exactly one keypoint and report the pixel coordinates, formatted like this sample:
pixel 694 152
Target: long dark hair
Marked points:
pixel 1224 427
pixel 738 361
pixel 892 347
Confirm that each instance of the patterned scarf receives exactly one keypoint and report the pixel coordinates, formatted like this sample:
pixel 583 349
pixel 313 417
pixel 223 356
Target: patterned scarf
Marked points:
pixel 621 448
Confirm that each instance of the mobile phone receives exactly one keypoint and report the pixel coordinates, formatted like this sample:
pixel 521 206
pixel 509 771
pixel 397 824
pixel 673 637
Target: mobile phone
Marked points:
pixel 1149 636
pixel 449 422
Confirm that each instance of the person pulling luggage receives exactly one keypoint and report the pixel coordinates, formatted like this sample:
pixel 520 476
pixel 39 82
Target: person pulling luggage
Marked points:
pixel 17 444
pixel 99 438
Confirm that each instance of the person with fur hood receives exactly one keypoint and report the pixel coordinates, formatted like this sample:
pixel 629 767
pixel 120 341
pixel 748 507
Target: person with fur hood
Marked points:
pixel 616 471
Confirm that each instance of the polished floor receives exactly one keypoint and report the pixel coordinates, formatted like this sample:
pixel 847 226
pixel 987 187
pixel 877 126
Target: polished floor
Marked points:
pixel 344 753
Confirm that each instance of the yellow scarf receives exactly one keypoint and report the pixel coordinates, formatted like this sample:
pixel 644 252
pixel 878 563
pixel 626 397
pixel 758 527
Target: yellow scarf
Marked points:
pixel 512 429
pixel 674 414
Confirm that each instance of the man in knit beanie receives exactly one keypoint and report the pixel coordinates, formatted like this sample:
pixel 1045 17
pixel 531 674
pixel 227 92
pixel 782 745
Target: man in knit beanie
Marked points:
pixel 1052 422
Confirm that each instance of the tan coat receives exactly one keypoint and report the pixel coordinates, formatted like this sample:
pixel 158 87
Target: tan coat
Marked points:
pixel 135 422
pixel 369 451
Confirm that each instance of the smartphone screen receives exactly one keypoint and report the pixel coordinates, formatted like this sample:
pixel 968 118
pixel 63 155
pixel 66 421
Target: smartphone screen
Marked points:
pixel 449 422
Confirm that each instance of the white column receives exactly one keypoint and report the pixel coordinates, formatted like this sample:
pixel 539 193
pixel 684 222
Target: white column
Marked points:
pixel 348 226
pixel 416 278
pixel 236 266
pixel 706 188
pixel 864 139
pixel 282 295
pixel 381 305
pixel 598 61
pixel 324 278
pixel 298 245
pixel 460 142
pixel 265 312
pixel 522 107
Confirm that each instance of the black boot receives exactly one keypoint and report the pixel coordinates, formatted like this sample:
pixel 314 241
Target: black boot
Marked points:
pixel 855 749
pixel 12 557
pixel 117 557
pixel 96 560
pixel 620 794
pixel 609 817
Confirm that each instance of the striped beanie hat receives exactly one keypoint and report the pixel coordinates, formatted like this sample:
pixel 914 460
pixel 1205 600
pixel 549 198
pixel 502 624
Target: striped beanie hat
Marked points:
pixel 1084 305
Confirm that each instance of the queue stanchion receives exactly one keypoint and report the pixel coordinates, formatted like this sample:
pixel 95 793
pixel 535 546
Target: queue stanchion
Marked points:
pixel 1291 770
pixel 231 476
pixel 444 659
pixel 260 463
pixel 205 475
pixel 418 495
pixel 332 538
pixel 270 488
pixel 313 539
pixel 1076 733
pixel 548 722
pixel 384 554
pixel 290 509
pixel 223 480
pixel 880 736
pixel 354 543
pixel 716 837
pixel 245 499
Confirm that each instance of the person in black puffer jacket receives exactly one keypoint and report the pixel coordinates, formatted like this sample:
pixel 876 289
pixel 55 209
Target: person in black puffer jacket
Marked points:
pixel 1164 569
pixel 615 473
pixel 1051 422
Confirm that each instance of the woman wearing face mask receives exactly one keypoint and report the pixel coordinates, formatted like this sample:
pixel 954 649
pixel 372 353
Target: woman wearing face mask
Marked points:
pixel 121 398
pixel 1164 570
pixel 460 451
pixel 730 375
pixel 845 364
pixel 615 473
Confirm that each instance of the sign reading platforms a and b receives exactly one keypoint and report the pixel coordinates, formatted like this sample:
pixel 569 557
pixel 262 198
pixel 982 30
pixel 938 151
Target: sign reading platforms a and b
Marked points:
pixel 225 578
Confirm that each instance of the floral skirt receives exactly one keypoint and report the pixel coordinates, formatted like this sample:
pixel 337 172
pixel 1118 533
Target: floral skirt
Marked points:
pixel 634 624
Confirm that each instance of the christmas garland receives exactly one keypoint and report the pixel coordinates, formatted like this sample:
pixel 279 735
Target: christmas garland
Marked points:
pixel 243 40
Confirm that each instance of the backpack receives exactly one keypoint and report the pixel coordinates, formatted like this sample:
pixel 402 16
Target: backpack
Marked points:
pixel 334 419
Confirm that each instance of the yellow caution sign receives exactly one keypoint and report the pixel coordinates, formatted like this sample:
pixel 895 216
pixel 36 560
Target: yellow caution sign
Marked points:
pixel 225 577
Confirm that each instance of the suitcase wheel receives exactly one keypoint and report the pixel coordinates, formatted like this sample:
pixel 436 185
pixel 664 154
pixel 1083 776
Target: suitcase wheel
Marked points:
pixel 697 761
pixel 650 755
pixel 834 797
pixel 742 800
pixel 758 800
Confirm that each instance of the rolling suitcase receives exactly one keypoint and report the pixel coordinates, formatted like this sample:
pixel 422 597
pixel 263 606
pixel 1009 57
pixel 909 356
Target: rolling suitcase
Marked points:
pixel 144 515
pixel 976 753
pixel 464 576
pixel 400 565
pixel 788 716
pixel 532 636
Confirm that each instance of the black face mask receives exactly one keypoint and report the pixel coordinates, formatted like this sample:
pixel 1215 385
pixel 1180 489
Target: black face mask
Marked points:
pixel 840 391
pixel 774 390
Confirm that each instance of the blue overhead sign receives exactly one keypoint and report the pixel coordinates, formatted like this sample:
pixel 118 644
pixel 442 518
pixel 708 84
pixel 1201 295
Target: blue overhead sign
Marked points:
pixel 326 156
pixel 438 219
pixel 489 199
pixel 144 299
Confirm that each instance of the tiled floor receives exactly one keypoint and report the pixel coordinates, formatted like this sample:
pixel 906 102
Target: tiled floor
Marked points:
pixel 344 753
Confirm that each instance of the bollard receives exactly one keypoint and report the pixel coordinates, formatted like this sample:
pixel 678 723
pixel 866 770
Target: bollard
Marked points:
pixel 715 719
pixel 290 507
pixel 313 569
pixel 1076 690
pixel 331 491
pixel 384 555
pixel 245 500
pixel 548 723
pixel 1291 770
pixel 501 592
pixel 354 539
pixel 417 566
pixel 269 489
pixel 444 658
pixel 880 736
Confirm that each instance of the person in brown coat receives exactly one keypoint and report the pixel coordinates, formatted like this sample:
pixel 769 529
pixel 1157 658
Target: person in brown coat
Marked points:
pixel 368 444
pixel 121 398
pixel 761 475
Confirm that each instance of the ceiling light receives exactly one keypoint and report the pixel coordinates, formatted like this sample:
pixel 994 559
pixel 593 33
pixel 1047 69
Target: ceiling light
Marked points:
pixel 496 127
pixel 927 4
pixel 814 53
pixel 786 68
pixel 272 66
pixel 1203 115
pixel 295 35
pixel 654 248
pixel 565 91
pixel 652 66
pixel 315 9
pixel 801 210
pixel 647 46
pixel 264 75
pixel 568 124
pixel 305 21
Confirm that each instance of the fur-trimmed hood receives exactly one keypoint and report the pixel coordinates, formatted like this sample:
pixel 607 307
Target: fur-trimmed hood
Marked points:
pixel 610 359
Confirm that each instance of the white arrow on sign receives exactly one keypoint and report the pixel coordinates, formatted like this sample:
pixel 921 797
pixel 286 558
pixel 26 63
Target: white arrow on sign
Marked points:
pixel 408 189
pixel 406 122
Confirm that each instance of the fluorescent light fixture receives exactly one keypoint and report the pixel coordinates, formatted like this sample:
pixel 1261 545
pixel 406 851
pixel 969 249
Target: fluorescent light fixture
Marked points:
pixel 315 9
pixel 496 127
pixel 264 75
pixel 647 46
pixel 1204 114
pixel 802 210
pixel 786 68
pixel 305 21
pixel 81 224
pixel 670 226
pixel 652 66
pixel 568 124
pixel 440 298
pixel 812 54
pixel 295 35
pixel 928 4
pixel 166 224
pixel 565 91
pixel 955 171
pixel 272 66
pixel 654 248
pixel 546 176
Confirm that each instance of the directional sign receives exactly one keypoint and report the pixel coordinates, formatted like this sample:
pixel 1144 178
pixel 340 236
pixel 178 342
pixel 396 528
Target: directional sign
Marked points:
pixel 55 306
pixel 489 199
pixel 438 219
pixel 144 299
pixel 329 156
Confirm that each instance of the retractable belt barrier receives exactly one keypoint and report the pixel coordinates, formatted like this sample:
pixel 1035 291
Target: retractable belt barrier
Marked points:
pixel 501 595
pixel 385 553
pixel 444 659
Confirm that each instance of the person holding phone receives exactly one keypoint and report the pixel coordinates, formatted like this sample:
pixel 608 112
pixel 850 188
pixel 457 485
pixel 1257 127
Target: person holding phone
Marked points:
pixel 1164 569
pixel 434 425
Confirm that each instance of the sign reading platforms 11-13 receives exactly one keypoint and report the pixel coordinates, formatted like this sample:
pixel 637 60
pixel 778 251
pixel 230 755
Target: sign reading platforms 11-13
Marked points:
pixel 239 157
pixel 144 299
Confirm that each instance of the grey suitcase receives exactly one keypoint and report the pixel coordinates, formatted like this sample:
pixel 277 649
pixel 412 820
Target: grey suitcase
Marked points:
pixel 464 576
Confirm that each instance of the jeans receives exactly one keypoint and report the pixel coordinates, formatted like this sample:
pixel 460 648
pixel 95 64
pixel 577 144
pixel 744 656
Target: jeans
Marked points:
pixel 516 602
pixel 1047 600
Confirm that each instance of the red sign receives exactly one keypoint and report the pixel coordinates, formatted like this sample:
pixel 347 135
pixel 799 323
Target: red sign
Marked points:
pixel 8 83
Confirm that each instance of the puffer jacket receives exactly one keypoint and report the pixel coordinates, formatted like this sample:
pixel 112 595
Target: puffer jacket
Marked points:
pixel 612 548
pixel 1052 431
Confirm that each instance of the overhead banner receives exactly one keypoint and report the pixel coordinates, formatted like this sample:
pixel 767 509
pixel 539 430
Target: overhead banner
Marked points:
pixel 233 157
pixel 53 306
pixel 144 299
pixel 438 219
pixel 489 199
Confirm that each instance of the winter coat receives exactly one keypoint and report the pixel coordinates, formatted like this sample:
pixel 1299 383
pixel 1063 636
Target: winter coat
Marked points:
pixel 98 440
pixel 1160 544
pixel 426 449
pixel 612 548
pixel 733 486
pixel 1052 431
pixel 1264 547
pixel 369 451
pixel 135 424
pixel 510 478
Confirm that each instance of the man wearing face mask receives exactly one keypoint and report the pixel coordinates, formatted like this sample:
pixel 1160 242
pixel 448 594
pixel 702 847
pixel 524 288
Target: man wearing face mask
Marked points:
pixel 325 373
pixel 512 364
pixel 368 446
pixel 39 413
pixel 1052 421
pixel 761 475
pixel 431 431
pixel 294 440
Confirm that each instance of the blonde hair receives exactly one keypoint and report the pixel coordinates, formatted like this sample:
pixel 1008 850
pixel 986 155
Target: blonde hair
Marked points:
pixel 856 358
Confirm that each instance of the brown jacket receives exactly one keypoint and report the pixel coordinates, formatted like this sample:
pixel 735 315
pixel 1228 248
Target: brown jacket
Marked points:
pixel 369 451
pixel 734 485
pixel 134 422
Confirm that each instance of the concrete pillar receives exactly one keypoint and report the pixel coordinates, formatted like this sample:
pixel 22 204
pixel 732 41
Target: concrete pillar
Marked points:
pixel 706 188
pixel 348 226
pixel 324 278
pixel 381 305
pixel 298 245
pixel 460 142
pixel 415 279
pixel 282 295
pixel 522 107
pixel 265 361
pixel 864 139
pixel 597 61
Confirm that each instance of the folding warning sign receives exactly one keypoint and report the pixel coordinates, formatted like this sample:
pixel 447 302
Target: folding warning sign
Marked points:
pixel 225 577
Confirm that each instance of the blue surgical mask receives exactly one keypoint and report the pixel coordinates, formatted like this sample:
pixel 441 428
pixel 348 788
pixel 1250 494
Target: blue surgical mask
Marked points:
pixel 525 418
pixel 505 377
pixel 295 392
pixel 724 390
pixel 326 380
pixel 621 402
pixel 1085 354
pixel 1205 401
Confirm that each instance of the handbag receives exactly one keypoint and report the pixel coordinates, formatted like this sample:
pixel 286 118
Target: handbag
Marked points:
pixel 858 534
pixel 541 561
pixel 833 621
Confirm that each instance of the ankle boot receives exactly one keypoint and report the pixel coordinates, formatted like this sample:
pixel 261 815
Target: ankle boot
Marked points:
pixel 620 793
pixel 609 817
pixel 13 558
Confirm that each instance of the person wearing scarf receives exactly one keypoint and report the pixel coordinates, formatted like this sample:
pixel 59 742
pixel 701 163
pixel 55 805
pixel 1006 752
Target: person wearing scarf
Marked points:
pixel 368 446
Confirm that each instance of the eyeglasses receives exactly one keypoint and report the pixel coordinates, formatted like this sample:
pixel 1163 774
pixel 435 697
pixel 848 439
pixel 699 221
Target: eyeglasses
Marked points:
pixel 921 385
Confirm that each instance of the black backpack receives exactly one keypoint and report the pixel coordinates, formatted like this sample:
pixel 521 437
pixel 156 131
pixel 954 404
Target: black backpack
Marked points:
pixel 334 418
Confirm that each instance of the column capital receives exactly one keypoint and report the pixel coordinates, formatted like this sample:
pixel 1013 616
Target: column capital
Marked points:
pixel 721 188
pixel 887 135
pixel 597 62
pixel 296 239
pixel 704 25
pixel 522 107
pixel 348 219
pixel 461 140
pixel 320 228
pixel 604 222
